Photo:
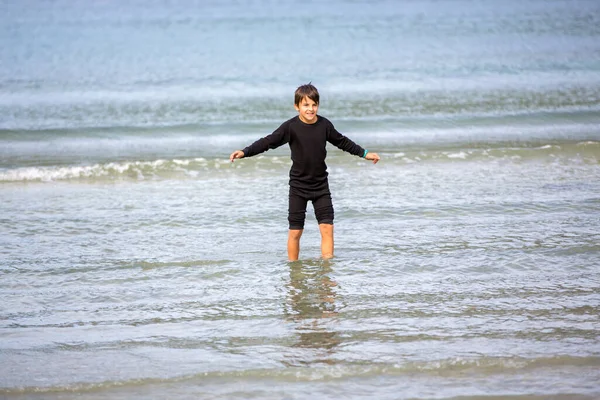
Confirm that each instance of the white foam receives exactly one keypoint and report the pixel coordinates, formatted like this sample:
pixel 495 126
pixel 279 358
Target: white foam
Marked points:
pixel 139 169
pixel 461 155
pixel 46 174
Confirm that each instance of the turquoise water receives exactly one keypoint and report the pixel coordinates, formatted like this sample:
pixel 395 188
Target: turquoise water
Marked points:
pixel 136 261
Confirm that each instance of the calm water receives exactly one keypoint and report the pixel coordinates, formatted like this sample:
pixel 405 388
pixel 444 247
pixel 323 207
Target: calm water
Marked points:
pixel 137 262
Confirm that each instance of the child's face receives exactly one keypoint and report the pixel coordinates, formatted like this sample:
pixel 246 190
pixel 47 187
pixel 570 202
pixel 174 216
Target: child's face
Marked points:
pixel 307 110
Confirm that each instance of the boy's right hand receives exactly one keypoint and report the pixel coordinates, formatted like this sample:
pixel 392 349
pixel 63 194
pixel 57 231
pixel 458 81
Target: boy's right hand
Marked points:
pixel 236 154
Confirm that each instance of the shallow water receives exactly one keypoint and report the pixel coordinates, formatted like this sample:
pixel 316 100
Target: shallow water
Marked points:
pixel 453 278
pixel 136 261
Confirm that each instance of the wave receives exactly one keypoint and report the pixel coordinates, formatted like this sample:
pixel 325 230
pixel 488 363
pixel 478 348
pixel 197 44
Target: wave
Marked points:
pixel 113 170
pixel 586 152
pixel 457 367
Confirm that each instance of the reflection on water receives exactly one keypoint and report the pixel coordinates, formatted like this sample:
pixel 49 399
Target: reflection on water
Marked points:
pixel 311 307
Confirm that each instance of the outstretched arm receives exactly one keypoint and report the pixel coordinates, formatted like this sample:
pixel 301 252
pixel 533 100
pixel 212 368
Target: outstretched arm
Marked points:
pixel 344 143
pixel 279 137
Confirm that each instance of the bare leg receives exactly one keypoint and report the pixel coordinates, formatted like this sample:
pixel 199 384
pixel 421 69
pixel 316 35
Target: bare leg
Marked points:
pixel 293 244
pixel 326 240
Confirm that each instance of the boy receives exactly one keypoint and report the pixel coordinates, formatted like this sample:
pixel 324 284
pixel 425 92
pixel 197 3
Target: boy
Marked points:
pixel 307 135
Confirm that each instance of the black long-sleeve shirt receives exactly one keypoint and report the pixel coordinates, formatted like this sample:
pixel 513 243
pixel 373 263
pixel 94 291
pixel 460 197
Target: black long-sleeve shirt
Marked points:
pixel 307 144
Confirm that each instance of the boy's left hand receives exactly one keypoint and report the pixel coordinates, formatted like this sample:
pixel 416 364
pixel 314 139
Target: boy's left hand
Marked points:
pixel 372 157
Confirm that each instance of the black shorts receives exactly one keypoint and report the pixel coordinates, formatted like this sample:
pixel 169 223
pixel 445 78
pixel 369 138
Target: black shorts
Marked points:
pixel 321 203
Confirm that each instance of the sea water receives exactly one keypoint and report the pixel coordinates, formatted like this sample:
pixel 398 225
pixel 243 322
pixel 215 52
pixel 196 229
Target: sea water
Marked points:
pixel 136 261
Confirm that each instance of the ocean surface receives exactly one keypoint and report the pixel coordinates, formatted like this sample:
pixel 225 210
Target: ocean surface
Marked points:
pixel 136 261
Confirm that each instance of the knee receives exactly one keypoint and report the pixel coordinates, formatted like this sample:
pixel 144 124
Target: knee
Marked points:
pixel 326 230
pixel 295 234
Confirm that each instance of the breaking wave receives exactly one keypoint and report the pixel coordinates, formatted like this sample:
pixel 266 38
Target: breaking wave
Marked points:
pixel 586 152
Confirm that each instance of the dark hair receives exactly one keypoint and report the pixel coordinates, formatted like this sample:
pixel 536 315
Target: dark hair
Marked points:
pixel 307 90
